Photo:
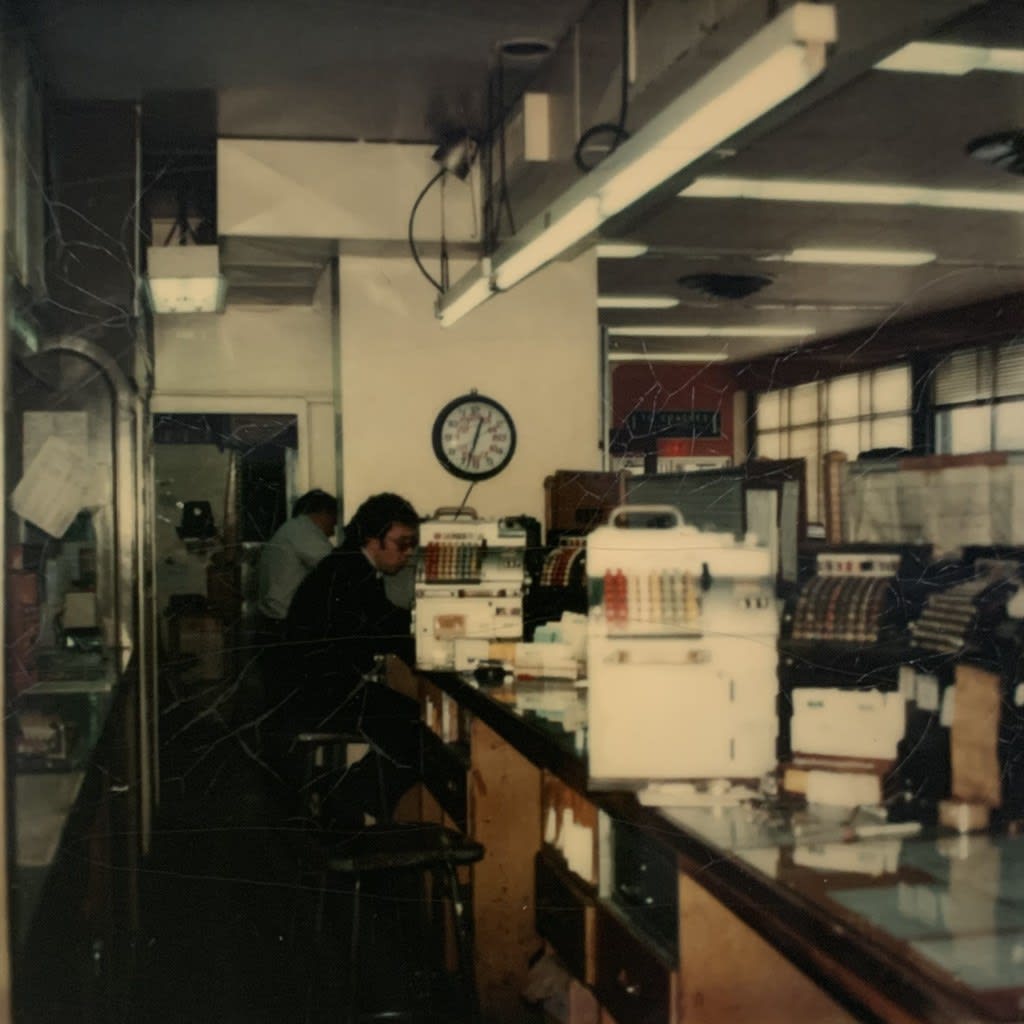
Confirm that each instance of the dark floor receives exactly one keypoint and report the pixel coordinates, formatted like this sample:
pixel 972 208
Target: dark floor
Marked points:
pixel 227 920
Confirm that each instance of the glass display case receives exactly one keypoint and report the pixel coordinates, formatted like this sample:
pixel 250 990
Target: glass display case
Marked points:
pixel 77 675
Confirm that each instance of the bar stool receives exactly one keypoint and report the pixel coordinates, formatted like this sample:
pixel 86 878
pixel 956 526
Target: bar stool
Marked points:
pixel 324 758
pixel 424 847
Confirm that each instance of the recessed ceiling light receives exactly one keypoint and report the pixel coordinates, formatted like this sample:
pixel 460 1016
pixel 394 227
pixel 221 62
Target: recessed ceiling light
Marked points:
pixel 620 250
pixel 795 190
pixel 667 357
pixel 856 257
pixel 636 301
pixel 952 59
pixel 695 331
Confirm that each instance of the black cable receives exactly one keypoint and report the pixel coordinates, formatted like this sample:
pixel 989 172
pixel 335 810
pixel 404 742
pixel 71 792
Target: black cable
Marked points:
pixel 465 498
pixel 412 219
pixel 617 131
pixel 487 168
pixel 504 198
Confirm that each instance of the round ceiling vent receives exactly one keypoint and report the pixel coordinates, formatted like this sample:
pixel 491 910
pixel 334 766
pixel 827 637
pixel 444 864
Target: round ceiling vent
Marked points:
pixel 525 49
pixel 1004 150
pixel 725 286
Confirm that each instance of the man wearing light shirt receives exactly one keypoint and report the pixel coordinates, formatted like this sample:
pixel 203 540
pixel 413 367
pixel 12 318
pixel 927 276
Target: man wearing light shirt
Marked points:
pixel 293 552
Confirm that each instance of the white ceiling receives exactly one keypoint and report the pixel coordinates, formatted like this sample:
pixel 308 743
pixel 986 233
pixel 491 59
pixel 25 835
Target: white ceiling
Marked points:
pixel 409 69
pixel 880 127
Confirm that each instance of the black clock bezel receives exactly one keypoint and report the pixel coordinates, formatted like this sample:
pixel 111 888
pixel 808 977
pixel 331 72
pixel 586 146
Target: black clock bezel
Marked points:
pixel 460 471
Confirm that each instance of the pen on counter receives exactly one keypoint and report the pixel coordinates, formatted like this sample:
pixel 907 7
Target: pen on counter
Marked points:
pixel 851 833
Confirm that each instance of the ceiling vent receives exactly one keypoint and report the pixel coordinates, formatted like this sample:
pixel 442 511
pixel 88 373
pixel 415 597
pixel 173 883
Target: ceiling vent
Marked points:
pixel 1004 150
pixel 725 286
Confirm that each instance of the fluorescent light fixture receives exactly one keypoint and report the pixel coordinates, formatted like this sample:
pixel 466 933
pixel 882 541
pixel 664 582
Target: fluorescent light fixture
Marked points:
pixel 566 222
pixel 690 331
pixel 186 294
pixel 185 279
pixel 796 190
pixel 620 250
pixel 857 257
pixel 636 301
pixel 667 357
pixel 466 294
pixel 952 59
pixel 777 62
pixel 771 66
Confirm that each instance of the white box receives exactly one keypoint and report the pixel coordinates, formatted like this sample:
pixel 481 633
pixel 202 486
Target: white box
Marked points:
pixel 847 723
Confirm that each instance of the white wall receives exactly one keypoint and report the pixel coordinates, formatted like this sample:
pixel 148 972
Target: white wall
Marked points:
pixel 274 359
pixel 534 349
pixel 347 190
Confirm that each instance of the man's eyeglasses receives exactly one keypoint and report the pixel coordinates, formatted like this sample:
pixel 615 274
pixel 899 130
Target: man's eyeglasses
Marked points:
pixel 403 544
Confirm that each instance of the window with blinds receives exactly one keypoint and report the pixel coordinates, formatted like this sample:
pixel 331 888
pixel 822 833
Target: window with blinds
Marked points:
pixel 978 396
pixel 853 413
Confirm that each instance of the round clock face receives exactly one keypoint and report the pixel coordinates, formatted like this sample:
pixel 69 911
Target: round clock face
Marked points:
pixel 474 437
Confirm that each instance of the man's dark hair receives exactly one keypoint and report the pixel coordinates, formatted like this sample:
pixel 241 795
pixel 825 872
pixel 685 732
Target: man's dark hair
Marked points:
pixel 313 502
pixel 376 516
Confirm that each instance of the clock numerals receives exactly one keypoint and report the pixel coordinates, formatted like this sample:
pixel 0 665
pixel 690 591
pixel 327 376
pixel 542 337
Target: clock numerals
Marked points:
pixel 474 437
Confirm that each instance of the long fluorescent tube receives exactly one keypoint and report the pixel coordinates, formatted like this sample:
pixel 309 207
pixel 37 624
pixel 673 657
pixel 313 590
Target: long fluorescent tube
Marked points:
pixel 771 66
pixel 796 190
pixel 679 331
pixel 466 294
pixel 952 59
pixel 766 70
pixel 620 250
pixel 565 223
pixel 667 357
pixel 636 301
pixel 857 257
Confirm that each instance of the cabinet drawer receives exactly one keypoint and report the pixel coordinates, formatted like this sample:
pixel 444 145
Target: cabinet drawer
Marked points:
pixel 444 775
pixel 634 982
pixel 565 915
pixel 645 884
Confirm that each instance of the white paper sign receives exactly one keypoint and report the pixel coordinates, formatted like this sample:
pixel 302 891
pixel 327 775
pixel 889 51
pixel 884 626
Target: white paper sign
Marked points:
pixel 55 487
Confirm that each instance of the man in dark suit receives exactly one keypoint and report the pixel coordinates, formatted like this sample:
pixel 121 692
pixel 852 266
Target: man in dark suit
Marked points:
pixel 339 621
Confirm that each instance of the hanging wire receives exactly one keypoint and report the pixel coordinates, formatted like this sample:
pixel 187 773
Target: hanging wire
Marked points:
pixel 412 220
pixel 465 498
pixel 618 130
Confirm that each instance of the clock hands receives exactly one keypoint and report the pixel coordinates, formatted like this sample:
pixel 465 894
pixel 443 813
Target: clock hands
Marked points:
pixel 476 437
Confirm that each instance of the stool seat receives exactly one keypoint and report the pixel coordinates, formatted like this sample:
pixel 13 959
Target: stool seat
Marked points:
pixel 393 846
pixel 423 846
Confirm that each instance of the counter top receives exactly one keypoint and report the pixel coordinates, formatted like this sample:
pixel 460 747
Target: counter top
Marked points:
pixel 933 920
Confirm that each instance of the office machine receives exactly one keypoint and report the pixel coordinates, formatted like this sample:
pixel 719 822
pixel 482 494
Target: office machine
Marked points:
pixel 470 578
pixel 681 652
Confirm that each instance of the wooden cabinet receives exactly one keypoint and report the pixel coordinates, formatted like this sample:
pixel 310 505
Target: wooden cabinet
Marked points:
pixel 634 980
pixel 566 915
pixel 504 815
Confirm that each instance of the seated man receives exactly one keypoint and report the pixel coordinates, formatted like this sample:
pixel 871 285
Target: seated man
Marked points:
pixel 339 621
pixel 295 549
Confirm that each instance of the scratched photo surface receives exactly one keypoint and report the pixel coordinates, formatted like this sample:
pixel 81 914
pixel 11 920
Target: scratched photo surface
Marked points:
pixel 514 512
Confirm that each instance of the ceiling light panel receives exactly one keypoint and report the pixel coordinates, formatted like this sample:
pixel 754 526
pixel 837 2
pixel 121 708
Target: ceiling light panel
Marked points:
pixel 796 190
pixel 620 250
pixel 637 301
pixel 952 59
pixel 858 257
pixel 699 331
pixel 667 357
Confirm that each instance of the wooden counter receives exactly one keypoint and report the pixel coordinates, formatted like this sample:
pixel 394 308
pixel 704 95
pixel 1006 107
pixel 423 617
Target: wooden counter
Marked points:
pixel 767 928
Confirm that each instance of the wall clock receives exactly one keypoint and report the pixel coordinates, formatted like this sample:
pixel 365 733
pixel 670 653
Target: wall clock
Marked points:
pixel 474 437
